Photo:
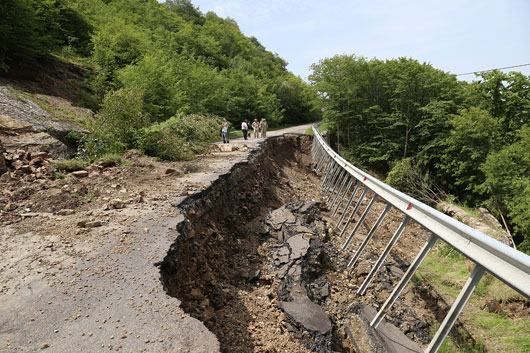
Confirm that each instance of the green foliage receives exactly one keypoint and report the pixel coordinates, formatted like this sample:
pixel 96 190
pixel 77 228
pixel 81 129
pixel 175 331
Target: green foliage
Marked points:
pixel 377 109
pixel 180 137
pixel 430 133
pixel 33 28
pixel 118 125
pixel 475 133
pixel 71 165
pixel 507 177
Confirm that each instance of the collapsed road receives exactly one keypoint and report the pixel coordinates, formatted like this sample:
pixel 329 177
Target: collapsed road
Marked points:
pixel 239 257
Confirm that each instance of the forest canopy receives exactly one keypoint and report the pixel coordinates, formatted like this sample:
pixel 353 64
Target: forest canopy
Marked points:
pixel 162 75
pixel 431 134
pixel 178 60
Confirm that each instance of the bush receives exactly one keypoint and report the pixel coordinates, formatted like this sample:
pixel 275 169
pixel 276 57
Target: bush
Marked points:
pixel 407 177
pixel 118 125
pixel 180 137
pixel 71 165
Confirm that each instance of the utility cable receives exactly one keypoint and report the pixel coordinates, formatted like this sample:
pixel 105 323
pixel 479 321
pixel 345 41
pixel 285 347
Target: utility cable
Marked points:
pixel 500 68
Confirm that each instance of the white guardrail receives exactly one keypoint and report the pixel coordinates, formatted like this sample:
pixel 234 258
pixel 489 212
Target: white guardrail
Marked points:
pixel 342 181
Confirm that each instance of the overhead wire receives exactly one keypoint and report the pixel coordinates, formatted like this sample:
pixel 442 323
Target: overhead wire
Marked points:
pixel 500 68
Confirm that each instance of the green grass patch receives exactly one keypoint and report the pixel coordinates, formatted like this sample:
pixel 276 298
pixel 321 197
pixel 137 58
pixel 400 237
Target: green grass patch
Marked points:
pixel 71 165
pixel 18 94
pixel 235 134
pixel 513 335
pixel 113 159
pixel 446 270
pixel 309 130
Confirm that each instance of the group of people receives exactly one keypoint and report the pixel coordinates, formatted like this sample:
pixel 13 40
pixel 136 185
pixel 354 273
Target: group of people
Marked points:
pixel 259 129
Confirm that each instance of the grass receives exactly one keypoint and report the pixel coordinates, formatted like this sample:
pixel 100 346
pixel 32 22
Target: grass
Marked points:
pixel 62 112
pixel 18 94
pixel 114 158
pixel 71 165
pixel 309 130
pixel 446 270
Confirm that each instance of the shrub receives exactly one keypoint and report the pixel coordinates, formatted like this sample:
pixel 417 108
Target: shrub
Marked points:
pixel 71 165
pixel 118 125
pixel 180 137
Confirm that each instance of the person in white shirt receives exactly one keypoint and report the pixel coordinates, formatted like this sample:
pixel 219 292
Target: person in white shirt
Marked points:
pixel 244 128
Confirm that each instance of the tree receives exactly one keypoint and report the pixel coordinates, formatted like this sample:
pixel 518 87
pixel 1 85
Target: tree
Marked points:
pixel 475 133
pixel 507 181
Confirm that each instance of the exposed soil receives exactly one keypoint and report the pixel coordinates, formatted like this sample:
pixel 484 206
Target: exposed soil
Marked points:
pixel 227 266
pixel 257 248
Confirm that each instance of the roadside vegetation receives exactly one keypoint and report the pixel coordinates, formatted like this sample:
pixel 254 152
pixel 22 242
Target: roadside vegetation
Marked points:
pixel 432 135
pixel 495 317
pixel 440 139
pixel 153 68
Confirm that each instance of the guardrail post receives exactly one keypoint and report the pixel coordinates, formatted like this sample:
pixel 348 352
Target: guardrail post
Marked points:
pixel 333 179
pixel 331 174
pixel 327 170
pixel 321 163
pixel 319 156
pixel 361 219
pixel 369 235
pixel 405 279
pixel 456 309
pixel 340 177
pixel 383 256
pixel 352 196
pixel 361 198
pixel 350 182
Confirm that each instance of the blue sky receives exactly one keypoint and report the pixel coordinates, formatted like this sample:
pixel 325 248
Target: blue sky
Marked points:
pixel 458 36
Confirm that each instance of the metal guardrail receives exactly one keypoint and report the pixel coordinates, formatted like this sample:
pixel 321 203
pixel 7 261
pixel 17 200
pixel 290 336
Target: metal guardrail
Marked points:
pixel 339 176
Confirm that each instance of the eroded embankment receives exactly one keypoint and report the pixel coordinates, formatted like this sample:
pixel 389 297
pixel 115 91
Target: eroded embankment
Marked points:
pixel 218 267
pixel 256 262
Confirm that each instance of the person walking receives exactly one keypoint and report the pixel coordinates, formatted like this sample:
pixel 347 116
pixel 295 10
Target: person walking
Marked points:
pixel 244 128
pixel 255 128
pixel 224 131
pixel 263 127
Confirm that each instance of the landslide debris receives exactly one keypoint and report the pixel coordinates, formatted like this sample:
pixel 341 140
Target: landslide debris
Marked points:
pixel 264 273
pixel 239 257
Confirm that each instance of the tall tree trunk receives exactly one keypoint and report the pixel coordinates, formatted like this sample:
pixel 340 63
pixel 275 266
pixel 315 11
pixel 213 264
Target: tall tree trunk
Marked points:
pixel 407 131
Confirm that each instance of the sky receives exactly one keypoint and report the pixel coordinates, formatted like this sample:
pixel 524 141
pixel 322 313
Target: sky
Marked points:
pixel 457 36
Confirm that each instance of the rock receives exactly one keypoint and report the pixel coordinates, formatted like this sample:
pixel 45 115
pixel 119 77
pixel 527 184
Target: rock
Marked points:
pixel 80 173
pixel 36 161
pixel 279 217
pixel 93 224
pixel 23 169
pixel 363 268
pixel 65 212
pixel 396 271
pixel 324 291
pixel 116 204
pixel 171 171
pixel 10 207
pixel 225 148
pixel 44 345
pixel 308 314
pixel 18 135
pixel 3 165
pixel 82 224
pixel 298 245
pixel 5 177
